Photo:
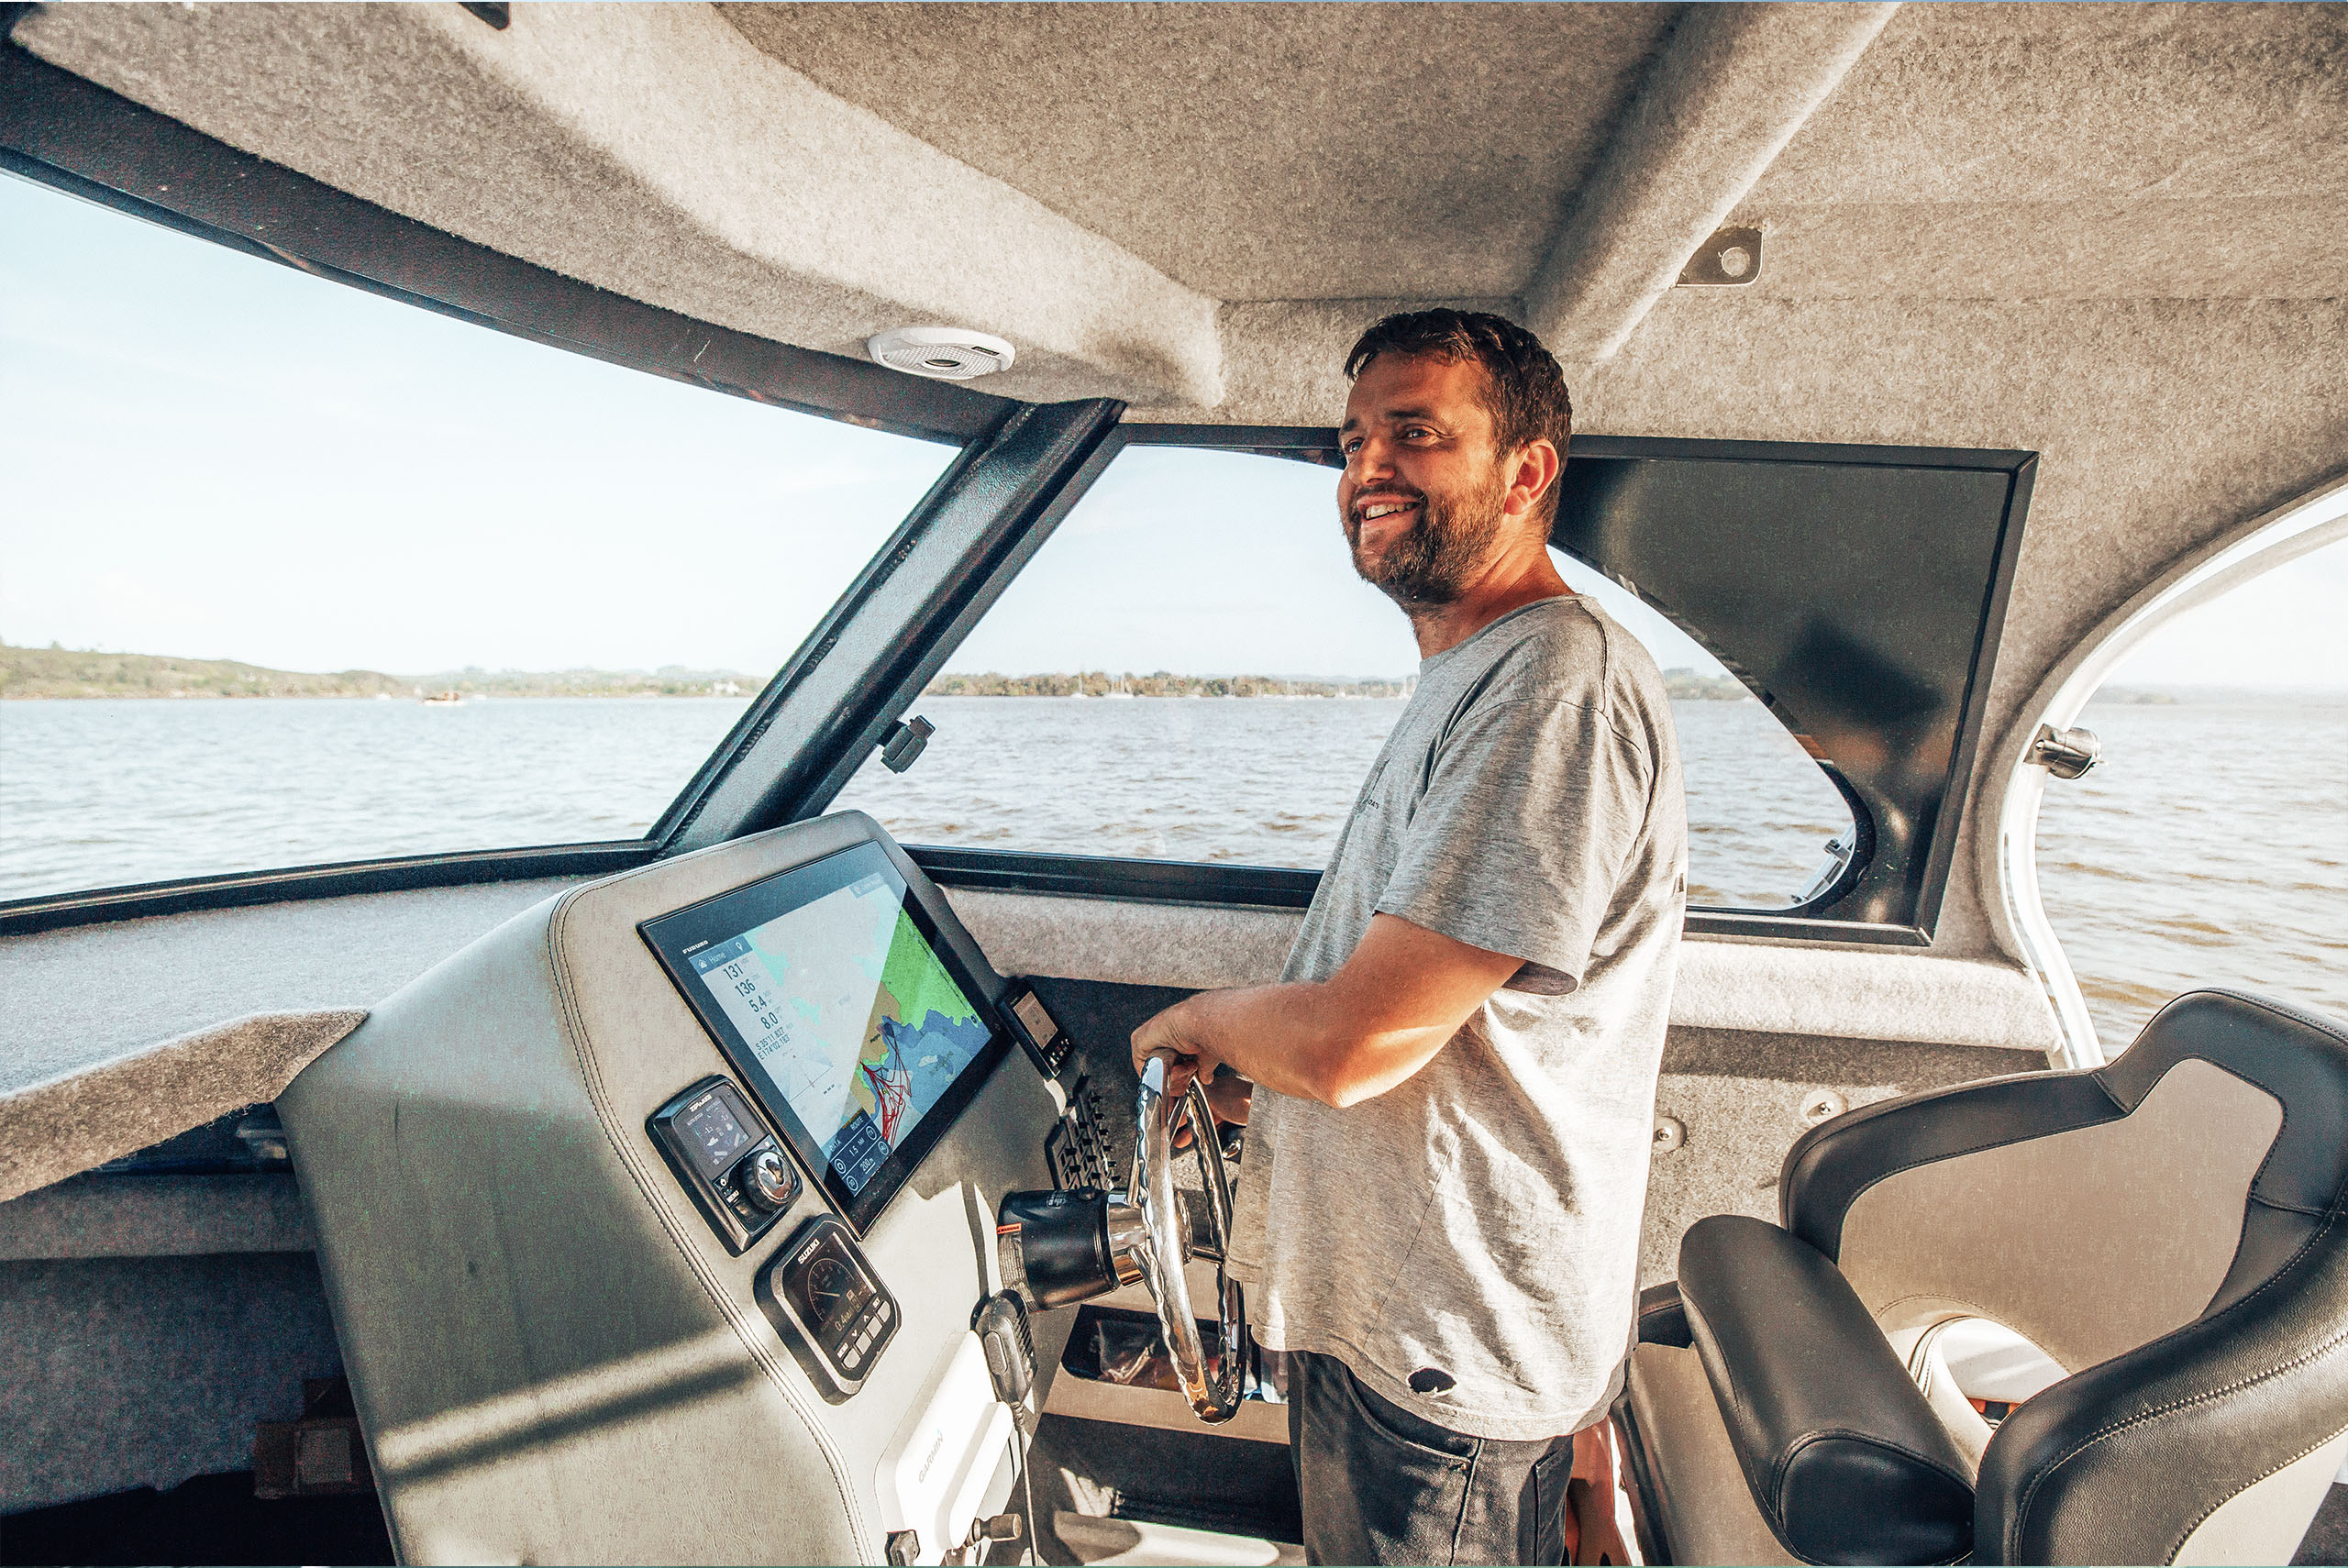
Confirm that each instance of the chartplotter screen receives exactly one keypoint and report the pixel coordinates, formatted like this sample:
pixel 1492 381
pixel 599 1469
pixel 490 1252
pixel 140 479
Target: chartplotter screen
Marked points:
pixel 822 986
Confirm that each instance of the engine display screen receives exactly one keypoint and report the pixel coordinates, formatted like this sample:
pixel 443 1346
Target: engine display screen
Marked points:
pixel 822 987
pixel 716 1137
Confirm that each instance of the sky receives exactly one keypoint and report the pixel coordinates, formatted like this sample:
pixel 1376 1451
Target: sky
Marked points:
pixel 2287 627
pixel 1224 563
pixel 216 456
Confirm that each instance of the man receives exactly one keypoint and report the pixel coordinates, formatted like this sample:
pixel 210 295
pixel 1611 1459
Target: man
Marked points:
pixel 1453 1086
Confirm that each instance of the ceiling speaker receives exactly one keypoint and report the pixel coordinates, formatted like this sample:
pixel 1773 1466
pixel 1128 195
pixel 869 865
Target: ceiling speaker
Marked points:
pixel 941 353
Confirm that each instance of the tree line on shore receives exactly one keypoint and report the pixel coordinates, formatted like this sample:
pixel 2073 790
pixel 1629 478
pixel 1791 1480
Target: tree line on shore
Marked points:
pixel 1159 683
pixel 1683 685
pixel 56 671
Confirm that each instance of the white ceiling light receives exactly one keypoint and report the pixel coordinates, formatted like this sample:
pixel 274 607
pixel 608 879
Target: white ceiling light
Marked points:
pixel 941 353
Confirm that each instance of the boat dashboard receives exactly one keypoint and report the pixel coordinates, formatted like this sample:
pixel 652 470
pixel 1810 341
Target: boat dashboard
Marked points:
pixel 658 1224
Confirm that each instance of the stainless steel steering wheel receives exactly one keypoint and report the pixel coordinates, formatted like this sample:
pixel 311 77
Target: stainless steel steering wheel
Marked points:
pixel 1164 1243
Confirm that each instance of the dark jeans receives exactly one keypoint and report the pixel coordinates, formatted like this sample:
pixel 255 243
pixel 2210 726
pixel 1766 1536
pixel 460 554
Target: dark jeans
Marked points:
pixel 1381 1486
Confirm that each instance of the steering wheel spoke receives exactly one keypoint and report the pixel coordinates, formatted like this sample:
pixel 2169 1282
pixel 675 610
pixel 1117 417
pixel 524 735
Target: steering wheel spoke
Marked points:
pixel 1214 1386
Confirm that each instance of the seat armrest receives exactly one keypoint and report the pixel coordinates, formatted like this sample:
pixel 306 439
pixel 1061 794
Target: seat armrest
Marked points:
pixel 1662 1320
pixel 1844 1456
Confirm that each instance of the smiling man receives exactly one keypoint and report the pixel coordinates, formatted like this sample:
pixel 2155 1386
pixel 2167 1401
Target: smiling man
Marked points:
pixel 1452 1091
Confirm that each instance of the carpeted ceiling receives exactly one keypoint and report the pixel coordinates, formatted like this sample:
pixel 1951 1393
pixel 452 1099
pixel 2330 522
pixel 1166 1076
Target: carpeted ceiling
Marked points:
pixel 2053 153
pixel 1375 151
pixel 1256 152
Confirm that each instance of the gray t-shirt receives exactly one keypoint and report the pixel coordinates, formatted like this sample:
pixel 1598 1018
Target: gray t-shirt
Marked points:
pixel 1480 1221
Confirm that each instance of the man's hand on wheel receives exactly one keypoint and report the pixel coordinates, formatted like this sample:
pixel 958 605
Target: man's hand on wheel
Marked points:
pixel 1381 1017
pixel 1169 1034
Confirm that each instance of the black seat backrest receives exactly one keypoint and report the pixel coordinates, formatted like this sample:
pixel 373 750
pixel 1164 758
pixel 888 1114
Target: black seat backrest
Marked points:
pixel 2169 1227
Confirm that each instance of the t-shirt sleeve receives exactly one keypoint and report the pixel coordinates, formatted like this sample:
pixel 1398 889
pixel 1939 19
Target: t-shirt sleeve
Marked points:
pixel 1520 843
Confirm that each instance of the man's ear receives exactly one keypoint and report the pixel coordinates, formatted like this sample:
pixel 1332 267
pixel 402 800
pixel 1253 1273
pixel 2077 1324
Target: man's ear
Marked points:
pixel 1532 470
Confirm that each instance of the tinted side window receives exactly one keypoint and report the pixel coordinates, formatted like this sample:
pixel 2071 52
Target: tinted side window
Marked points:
pixel 1190 670
pixel 296 574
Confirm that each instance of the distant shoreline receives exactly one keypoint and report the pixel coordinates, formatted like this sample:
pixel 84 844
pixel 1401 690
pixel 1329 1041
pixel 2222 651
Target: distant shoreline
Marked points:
pixel 34 674
pixel 53 672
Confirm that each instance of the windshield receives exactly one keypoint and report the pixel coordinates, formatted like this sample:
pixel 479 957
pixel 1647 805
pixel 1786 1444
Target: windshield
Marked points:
pixel 298 574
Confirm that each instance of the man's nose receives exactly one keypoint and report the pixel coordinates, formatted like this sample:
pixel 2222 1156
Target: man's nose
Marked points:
pixel 1374 458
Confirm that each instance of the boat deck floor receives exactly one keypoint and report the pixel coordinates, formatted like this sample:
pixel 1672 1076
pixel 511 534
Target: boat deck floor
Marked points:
pixel 1105 1512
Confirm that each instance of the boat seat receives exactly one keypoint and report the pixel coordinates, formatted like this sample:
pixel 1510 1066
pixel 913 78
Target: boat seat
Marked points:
pixel 2168 1228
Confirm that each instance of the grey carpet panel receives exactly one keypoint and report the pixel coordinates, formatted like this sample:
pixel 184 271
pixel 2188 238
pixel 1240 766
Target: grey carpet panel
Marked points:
pixel 117 1373
pixel 101 1110
pixel 73 997
pixel 1908 1066
pixel 116 1037
pixel 1258 176
pixel 155 1216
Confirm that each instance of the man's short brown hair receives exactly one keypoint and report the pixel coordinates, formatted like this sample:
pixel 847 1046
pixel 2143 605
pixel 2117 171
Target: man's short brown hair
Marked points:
pixel 1526 395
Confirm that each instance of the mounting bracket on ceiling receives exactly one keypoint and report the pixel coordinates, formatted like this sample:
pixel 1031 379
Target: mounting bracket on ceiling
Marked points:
pixel 1728 260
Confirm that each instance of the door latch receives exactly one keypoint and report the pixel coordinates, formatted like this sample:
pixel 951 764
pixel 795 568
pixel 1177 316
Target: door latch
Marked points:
pixel 2066 753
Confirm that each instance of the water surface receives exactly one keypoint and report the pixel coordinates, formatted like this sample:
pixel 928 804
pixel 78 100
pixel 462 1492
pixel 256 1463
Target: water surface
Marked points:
pixel 2210 848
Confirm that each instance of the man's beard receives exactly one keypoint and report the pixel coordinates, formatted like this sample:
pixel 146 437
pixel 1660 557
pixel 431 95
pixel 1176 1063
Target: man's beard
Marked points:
pixel 1431 566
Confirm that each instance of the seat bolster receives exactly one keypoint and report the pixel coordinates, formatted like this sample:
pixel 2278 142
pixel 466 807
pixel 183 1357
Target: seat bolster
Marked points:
pixel 1842 1455
pixel 1830 1166
pixel 2123 1461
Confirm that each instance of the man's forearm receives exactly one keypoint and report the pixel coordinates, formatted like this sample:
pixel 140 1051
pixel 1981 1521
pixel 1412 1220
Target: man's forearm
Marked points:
pixel 1298 1039
pixel 1397 1001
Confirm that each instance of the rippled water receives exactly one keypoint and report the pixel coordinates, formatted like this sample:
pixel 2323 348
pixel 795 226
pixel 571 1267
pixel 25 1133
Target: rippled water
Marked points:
pixel 100 793
pixel 2211 847
pixel 1271 782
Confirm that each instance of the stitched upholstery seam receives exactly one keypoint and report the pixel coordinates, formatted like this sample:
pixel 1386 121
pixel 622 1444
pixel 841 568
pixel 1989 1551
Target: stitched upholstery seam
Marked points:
pixel 2125 1112
pixel 1975 1149
pixel 2178 1544
pixel 2280 1010
pixel 2288 1207
pixel 2322 1026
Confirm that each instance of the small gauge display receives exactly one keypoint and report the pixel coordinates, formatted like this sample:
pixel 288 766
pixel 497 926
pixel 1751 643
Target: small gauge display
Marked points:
pixel 833 1304
pixel 836 1292
pixel 716 1144
pixel 716 1135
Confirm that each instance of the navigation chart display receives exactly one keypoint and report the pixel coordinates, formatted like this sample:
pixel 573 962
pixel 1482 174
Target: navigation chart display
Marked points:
pixel 842 1006
pixel 856 1021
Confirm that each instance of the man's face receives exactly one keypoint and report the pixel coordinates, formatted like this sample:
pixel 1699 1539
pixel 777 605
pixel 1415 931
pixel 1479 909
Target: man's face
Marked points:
pixel 1423 498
